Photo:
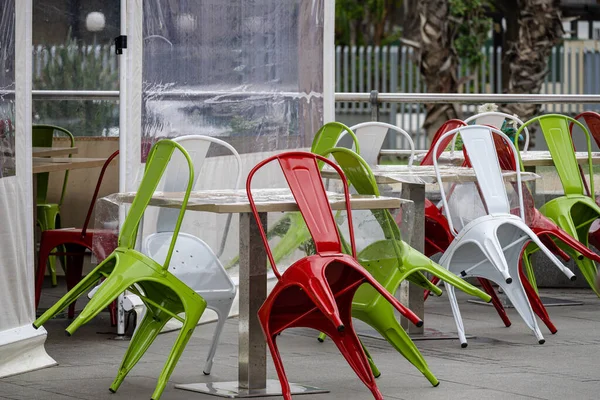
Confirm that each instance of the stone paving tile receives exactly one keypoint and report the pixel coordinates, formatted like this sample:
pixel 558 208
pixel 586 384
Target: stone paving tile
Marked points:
pixel 499 363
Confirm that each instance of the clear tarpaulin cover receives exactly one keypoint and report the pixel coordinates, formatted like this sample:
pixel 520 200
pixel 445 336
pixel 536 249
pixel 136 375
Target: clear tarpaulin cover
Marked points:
pixel 249 72
pixel 7 83
pixel 21 346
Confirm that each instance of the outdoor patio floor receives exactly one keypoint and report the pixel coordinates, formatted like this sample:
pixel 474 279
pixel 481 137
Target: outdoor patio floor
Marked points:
pixel 499 363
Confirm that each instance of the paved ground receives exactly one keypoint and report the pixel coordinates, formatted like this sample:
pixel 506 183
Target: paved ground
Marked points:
pixel 500 363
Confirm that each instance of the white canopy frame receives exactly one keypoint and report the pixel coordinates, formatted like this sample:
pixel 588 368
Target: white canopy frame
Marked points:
pixel 133 85
pixel 21 346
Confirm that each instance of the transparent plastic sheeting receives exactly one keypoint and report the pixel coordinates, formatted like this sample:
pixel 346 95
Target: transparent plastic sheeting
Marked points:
pixel 210 227
pixel 247 71
pixel 7 82
pixel 21 346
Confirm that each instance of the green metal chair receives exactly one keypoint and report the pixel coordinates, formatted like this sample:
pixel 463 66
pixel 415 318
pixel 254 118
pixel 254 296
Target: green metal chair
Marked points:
pixel 575 211
pixel 291 227
pixel 48 214
pixel 391 261
pixel 163 294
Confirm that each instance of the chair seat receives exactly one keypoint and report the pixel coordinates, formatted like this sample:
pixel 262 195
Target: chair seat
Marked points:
pixel 108 241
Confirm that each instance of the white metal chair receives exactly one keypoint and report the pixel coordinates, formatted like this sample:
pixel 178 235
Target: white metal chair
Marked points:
pixel 193 261
pixel 370 137
pixel 496 119
pixel 490 246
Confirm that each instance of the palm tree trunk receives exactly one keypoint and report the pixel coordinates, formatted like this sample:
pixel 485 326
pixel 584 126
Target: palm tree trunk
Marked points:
pixel 438 59
pixel 540 29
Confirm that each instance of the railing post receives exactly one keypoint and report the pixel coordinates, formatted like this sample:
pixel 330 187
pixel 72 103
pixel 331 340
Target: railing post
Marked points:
pixel 374 105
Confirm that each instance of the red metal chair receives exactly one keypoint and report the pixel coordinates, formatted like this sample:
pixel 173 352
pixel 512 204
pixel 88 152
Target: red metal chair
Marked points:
pixel 75 242
pixel 592 120
pixel 437 231
pixel 316 291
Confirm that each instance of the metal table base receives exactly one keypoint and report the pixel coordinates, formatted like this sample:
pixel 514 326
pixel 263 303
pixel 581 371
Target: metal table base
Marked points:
pixel 231 390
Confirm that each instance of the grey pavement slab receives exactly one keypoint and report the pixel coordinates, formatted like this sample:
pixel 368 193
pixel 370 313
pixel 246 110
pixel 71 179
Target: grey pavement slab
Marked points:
pixel 499 363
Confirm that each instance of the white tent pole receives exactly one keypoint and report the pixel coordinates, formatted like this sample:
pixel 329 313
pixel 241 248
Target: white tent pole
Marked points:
pixel 329 61
pixel 123 150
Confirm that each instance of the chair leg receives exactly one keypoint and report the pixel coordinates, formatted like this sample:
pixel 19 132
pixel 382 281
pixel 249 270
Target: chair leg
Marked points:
pixel 589 271
pixel 45 224
pixel 416 260
pixel 321 295
pixel 192 315
pixel 272 343
pixel 456 313
pixel 434 280
pixel 374 369
pixel 74 269
pixel 518 297
pixel 45 249
pixel 83 286
pixel 528 267
pixel 489 289
pixel 351 348
pixel 222 311
pixel 536 303
pixel 106 294
pixel 382 318
pixel 112 308
pixel 147 331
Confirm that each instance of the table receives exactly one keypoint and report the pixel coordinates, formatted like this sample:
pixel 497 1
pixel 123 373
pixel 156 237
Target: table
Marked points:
pixel 41 164
pixel 531 158
pixel 252 355
pixel 413 182
pixel 53 151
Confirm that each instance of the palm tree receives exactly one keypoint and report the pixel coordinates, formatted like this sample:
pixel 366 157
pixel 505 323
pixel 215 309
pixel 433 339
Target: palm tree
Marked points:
pixel 540 29
pixel 438 58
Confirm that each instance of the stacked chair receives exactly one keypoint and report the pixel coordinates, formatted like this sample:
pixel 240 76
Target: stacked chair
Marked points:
pixel 592 120
pixel 317 291
pixel 490 246
pixel 390 261
pixel 576 210
pixel 164 295
pixel 75 242
pixel 439 236
pixel 193 261
pixel 48 214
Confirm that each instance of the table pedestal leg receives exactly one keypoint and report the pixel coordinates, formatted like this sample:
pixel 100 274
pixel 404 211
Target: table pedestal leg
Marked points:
pixel 412 295
pixel 252 354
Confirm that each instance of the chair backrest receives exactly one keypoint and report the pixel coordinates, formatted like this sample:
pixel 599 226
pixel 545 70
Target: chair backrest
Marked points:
pixel 496 120
pixel 371 136
pixel 96 190
pixel 361 177
pixel 176 178
pixel 592 120
pixel 446 127
pixel 555 128
pixel 479 145
pixel 156 165
pixel 42 136
pixel 328 136
pixel 302 173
